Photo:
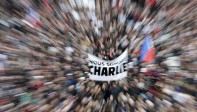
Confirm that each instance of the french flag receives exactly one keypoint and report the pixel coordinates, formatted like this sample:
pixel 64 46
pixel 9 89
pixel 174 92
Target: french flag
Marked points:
pixel 147 50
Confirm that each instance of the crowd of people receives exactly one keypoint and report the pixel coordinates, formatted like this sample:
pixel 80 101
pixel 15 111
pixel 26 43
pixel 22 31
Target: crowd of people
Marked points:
pixel 44 64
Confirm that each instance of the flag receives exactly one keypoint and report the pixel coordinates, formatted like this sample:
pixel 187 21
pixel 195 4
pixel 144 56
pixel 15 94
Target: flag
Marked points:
pixel 147 50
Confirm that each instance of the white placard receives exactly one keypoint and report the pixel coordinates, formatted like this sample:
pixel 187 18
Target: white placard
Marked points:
pixel 102 70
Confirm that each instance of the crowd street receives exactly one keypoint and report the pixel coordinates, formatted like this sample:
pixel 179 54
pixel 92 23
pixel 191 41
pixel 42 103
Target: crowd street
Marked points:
pixel 44 47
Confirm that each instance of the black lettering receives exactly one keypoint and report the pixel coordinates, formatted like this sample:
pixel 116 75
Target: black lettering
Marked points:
pixel 103 63
pixel 115 63
pixel 91 61
pixel 99 63
pixel 124 65
pixel 111 71
pixel 120 68
pixel 108 64
pixel 95 62
pixel 90 69
pixel 97 70
pixel 117 70
pixel 104 71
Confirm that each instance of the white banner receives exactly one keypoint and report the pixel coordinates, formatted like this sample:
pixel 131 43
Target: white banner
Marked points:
pixel 102 70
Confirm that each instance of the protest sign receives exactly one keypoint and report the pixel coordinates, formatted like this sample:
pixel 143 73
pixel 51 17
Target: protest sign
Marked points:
pixel 103 70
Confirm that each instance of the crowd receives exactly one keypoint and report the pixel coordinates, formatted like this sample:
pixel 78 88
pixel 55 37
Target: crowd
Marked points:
pixel 44 64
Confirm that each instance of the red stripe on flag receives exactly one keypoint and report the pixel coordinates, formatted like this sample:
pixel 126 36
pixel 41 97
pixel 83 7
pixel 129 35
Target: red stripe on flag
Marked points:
pixel 150 56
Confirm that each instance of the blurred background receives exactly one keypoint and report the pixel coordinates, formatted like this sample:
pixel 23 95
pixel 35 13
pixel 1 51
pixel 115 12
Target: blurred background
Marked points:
pixel 44 46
